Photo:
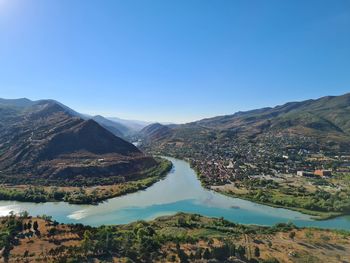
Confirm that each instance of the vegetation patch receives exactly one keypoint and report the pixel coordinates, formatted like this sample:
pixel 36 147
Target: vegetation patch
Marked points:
pixel 178 238
pixel 84 195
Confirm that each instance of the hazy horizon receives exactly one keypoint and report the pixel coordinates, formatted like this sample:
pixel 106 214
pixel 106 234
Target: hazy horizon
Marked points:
pixel 173 61
pixel 167 121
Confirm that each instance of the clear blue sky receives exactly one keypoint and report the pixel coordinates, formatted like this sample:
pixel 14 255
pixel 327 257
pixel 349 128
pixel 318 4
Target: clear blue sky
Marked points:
pixel 173 60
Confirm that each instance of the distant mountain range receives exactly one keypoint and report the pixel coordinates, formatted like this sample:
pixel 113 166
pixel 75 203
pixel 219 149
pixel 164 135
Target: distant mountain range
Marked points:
pixel 45 142
pixel 326 119
pixel 155 131
pixel 133 125
pixel 119 127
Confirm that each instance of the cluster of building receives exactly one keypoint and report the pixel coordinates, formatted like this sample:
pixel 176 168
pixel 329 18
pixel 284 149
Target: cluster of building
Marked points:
pixel 226 161
pixel 320 173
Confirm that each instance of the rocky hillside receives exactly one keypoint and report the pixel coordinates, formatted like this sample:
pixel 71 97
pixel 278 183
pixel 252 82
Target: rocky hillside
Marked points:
pixel 44 142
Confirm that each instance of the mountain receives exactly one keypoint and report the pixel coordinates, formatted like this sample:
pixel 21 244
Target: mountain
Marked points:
pixel 136 126
pixel 155 131
pixel 114 127
pixel 45 142
pixel 133 125
pixel 327 116
pixel 326 120
pixel 119 127
pixel 17 103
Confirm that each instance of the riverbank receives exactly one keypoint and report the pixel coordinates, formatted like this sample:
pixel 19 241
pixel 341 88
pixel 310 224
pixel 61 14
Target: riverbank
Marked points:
pixel 282 200
pixel 179 191
pixel 178 238
pixel 84 195
pixel 320 197
pixel 316 215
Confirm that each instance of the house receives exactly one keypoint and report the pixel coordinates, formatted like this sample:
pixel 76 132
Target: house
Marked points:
pixel 323 173
pixel 303 173
pixel 230 166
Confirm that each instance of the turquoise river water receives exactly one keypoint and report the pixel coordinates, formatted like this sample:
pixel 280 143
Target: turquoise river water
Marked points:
pixel 179 191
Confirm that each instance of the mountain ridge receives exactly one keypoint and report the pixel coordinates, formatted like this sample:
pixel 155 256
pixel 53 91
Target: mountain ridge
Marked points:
pixel 326 119
pixel 45 142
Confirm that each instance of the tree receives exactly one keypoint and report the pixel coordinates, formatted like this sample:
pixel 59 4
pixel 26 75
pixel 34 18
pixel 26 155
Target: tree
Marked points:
pixel 35 226
pixel 292 235
pixel 181 222
pixel 182 256
pixel 257 252
pixel 206 254
pixel 24 214
pixel 46 217
pixel 232 249
pixel 198 253
pixel 52 231
pixel 221 253
pixel 87 243
pixel 269 243
pixel 241 251
pixel 309 234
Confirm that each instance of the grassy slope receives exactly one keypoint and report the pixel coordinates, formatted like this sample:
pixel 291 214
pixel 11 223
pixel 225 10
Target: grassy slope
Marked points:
pixel 169 238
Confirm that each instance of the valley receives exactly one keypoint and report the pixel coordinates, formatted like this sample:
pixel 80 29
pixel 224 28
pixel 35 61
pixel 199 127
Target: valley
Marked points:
pixel 193 131
pixel 294 156
pixel 289 185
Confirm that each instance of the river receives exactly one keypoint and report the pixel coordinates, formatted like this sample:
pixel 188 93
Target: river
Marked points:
pixel 179 191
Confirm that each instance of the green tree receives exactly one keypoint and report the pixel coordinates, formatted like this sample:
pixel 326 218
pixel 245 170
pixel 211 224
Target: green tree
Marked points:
pixel 292 235
pixel 181 222
pixel 182 256
pixel 221 253
pixel 198 253
pixel 241 251
pixel 257 252
pixel 52 231
pixel 24 214
pixel 206 254
pixel 35 226
pixel 87 243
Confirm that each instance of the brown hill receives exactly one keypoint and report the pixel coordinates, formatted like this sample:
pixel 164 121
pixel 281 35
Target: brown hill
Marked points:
pixel 45 143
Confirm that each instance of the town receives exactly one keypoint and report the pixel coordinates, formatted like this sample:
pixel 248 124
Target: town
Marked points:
pixel 279 166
